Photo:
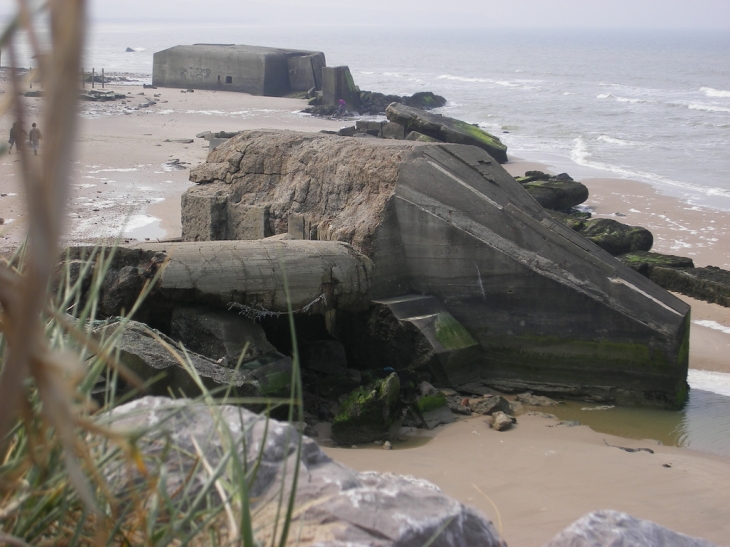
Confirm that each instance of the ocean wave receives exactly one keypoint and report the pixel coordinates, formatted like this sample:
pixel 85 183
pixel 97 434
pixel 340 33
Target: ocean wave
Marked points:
pixel 708 107
pixel 581 154
pixel 707 380
pixel 621 99
pixel 711 92
pixel 463 78
pixel 713 325
pixel 618 142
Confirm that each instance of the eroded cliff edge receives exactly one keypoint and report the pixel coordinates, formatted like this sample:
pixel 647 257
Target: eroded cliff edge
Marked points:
pixel 550 310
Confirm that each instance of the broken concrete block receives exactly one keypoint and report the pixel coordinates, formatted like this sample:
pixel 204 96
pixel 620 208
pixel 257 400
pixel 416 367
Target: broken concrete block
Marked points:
pixel 220 335
pixel 247 221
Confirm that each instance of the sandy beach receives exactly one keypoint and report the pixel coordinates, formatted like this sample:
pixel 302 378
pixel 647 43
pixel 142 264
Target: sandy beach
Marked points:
pixel 131 168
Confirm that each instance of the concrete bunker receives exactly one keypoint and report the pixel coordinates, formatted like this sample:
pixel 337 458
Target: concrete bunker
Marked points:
pixel 249 69
pixel 549 310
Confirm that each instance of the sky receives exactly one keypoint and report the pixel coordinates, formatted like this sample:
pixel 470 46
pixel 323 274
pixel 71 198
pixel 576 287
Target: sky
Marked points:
pixel 394 13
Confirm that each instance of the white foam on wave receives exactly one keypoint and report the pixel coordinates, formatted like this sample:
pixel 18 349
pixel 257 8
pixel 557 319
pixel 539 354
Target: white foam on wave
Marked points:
pixel 462 78
pixel 708 107
pixel 621 99
pixel 110 170
pixel 708 380
pixel 581 155
pixel 711 92
pixel 604 96
pixel 714 325
pixel 618 142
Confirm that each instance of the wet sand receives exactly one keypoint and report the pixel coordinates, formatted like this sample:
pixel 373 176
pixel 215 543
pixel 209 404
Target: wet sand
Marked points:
pixel 540 476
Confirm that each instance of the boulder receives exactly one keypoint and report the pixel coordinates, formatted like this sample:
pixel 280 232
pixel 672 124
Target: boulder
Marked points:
pixel 492 405
pixel 392 130
pixel 711 284
pixel 334 505
pixel 502 422
pixel 608 528
pixel 446 129
pixel 375 103
pixel 220 335
pixel 535 400
pixel 368 413
pixel 617 238
pixel 434 410
pixel 558 195
pixel 644 262
pixel 147 353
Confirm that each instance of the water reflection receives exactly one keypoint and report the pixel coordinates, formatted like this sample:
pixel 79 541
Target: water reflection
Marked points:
pixel 703 425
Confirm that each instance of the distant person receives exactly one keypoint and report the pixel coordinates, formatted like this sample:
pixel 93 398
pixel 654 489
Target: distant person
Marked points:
pixel 16 136
pixel 342 110
pixel 35 138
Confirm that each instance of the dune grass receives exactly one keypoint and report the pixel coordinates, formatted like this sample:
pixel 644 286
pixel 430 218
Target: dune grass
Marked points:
pixel 57 443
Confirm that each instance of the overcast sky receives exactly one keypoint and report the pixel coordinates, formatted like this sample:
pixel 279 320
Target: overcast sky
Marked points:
pixel 487 13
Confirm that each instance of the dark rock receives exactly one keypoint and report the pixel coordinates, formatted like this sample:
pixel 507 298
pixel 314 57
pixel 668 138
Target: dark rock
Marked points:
pixel 392 130
pixel 557 194
pixel 446 129
pixel 563 176
pixel 326 356
pixel 129 50
pixel 347 131
pixel 120 289
pixel 617 238
pixel 491 405
pixel 710 283
pixel 434 410
pixel 335 506
pixel 535 400
pixel 644 262
pixel 368 413
pixel 219 335
pixel 457 406
pixel 374 103
pixel 608 528
pixel 420 137
pixel 147 352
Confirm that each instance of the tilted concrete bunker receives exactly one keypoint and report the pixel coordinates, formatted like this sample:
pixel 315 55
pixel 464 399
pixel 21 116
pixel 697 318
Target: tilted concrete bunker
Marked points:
pixel 550 311
pixel 249 69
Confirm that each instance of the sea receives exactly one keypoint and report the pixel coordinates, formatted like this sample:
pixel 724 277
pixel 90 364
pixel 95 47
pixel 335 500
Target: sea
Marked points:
pixel 646 105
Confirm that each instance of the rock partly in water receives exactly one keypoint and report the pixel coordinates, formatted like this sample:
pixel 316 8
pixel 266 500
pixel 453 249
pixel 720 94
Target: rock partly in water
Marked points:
pixel 446 129
pixel 535 400
pixel 334 505
pixel 608 528
pixel 369 413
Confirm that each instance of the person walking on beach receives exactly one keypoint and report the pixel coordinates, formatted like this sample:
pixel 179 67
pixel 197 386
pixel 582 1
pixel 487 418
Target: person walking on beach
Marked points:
pixel 342 110
pixel 35 138
pixel 16 136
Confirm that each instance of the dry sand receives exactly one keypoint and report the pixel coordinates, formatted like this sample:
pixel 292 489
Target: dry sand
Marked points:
pixel 540 476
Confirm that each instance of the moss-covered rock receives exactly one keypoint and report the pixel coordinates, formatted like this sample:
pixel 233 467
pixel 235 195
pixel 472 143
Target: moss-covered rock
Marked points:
pixel 431 402
pixel 710 283
pixel 644 262
pixel 446 129
pixel 368 413
pixel 559 195
pixel 617 238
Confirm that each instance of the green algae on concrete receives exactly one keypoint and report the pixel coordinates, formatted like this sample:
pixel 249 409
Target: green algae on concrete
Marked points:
pixel 451 334
pixel 431 402
pixel 368 413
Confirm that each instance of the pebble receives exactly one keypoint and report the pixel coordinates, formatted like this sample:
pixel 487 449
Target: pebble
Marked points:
pixel 387 445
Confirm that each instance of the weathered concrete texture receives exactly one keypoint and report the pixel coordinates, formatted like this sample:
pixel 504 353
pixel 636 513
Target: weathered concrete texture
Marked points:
pixel 446 129
pixel 334 506
pixel 337 83
pixel 552 312
pixel 249 69
pixel 265 275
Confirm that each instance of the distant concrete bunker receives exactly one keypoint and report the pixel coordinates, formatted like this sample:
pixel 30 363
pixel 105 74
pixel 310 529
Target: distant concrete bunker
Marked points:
pixel 249 69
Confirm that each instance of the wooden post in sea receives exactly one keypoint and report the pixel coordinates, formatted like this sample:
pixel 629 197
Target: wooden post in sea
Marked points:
pixel 102 78
pixel 93 77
